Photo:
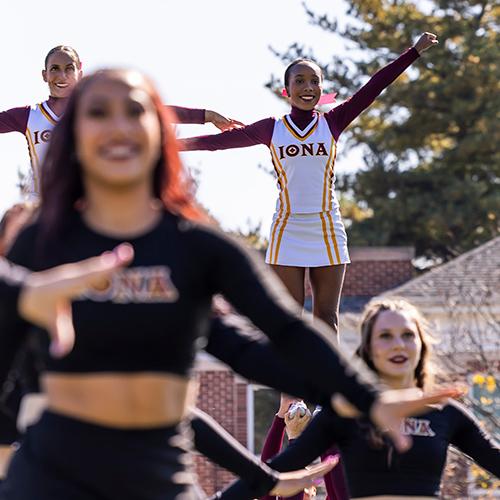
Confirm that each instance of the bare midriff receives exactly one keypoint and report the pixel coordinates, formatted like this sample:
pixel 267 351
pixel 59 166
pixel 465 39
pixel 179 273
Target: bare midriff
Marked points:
pixel 120 400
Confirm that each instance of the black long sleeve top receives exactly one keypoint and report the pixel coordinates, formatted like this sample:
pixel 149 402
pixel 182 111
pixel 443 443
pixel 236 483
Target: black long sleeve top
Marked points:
pixel 152 314
pixel 379 470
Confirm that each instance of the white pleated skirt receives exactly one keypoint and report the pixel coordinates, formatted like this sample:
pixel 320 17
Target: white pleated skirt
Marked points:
pixel 308 240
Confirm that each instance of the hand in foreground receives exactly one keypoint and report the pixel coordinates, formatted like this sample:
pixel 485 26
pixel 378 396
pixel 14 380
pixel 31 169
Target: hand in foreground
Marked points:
pixel 221 122
pixel 45 299
pixel 285 402
pixel 392 407
pixel 296 419
pixel 291 483
pixel 426 41
pixel 310 493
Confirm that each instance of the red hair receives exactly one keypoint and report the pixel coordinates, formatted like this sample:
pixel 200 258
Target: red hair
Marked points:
pixel 61 178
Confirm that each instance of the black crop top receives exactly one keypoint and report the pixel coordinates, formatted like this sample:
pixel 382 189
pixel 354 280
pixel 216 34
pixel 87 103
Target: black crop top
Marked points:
pixel 153 314
pixel 372 471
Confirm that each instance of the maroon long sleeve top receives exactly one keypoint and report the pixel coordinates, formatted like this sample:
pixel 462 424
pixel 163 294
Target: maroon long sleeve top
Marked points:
pixel 16 119
pixel 338 118
pixel 272 446
pixel 335 482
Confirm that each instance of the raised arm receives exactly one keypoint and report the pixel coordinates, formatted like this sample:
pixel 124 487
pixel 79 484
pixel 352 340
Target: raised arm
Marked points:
pixel 14 120
pixel 188 115
pixel 201 116
pixel 259 132
pixel 341 116
pixel 474 441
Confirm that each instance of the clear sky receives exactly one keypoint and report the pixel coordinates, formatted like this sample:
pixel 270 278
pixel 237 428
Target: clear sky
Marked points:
pixel 207 54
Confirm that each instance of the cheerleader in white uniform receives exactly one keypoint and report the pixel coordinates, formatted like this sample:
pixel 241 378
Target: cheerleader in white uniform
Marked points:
pixel 307 229
pixel 62 71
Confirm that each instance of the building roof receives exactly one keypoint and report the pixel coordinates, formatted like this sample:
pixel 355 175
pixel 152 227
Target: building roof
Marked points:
pixel 473 279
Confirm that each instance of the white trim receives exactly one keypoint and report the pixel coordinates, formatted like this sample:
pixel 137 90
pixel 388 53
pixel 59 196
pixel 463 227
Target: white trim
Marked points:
pixel 46 107
pixel 304 132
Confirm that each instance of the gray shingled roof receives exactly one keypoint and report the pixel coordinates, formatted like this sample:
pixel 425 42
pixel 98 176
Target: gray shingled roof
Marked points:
pixel 471 278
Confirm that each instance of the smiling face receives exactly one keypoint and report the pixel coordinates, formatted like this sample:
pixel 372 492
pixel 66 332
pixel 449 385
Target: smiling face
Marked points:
pixel 61 73
pixel 117 130
pixel 395 347
pixel 305 84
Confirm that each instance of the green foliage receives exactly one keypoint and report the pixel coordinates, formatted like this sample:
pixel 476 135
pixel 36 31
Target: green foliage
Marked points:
pixel 266 404
pixel 432 164
pixel 252 236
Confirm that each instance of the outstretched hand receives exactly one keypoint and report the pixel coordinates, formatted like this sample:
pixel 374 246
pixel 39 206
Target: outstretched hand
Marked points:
pixel 45 299
pixel 291 483
pixel 392 407
pixel 221 122
pixel 426 41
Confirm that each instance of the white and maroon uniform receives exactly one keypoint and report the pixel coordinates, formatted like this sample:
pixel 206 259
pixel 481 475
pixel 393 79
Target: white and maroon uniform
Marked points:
pixel 307 226
pixel 36 123
pixel 41 121
pixel 307 229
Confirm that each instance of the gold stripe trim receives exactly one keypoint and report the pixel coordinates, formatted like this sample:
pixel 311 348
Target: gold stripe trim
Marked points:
pixel 275 224
pixel 284 208
pixel 46 114
pixel 35 162
pixel 273 234
pixel 280 236
pixel 330 205
pixel 325 177
pixel 334 238
pixel 325 237
pixel 281 171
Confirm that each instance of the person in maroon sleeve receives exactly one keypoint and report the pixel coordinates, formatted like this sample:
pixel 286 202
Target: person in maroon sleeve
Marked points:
pixel 307 229
pixel 294 421
pixel 62 71
pixel 294 425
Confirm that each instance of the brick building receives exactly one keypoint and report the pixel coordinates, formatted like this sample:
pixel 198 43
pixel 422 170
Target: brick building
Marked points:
pixel 225 397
